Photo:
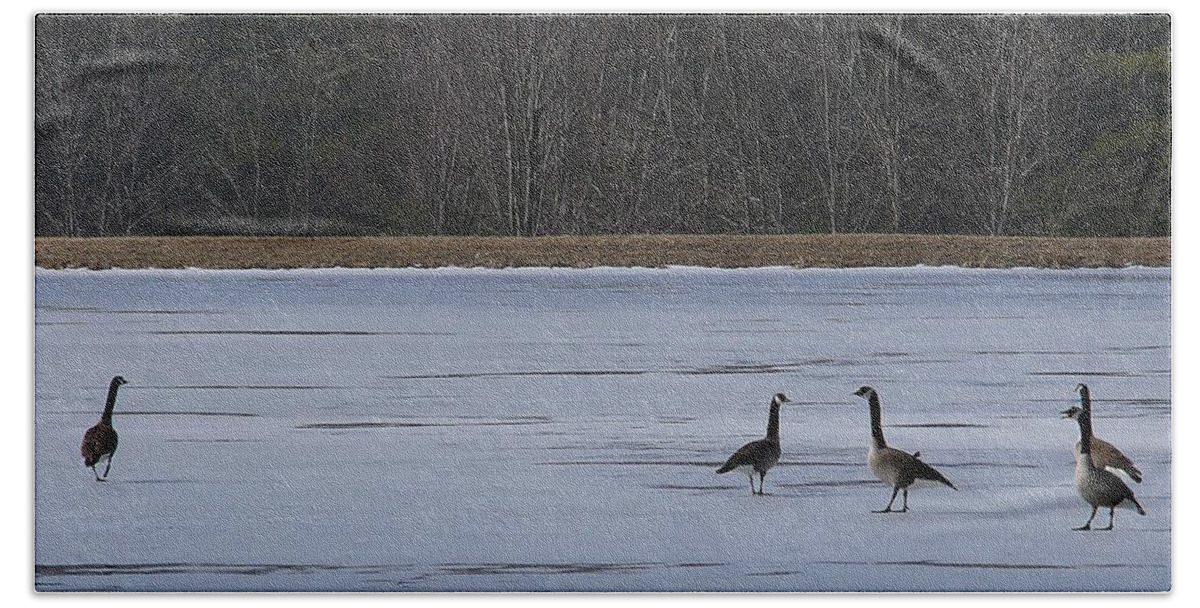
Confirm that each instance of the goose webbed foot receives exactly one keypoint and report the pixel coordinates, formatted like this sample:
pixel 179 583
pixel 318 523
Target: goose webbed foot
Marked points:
pixel 1088 525
pixel 1111 518
pixel 888 508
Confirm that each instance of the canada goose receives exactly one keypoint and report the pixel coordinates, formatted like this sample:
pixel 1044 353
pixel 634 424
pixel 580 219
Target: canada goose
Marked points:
pixel 1104 454
pixel 101 440
pixel 1098 486
pixel 759 456
pixel 900 470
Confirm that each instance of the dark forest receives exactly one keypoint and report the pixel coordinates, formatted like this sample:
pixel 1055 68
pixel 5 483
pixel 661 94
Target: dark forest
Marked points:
pixel 1056 125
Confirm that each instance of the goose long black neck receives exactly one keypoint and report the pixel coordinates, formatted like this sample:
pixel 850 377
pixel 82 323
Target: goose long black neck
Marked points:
pixel 111 402
pixel 773 421
pixel 1085 432
pixel 1085 397
pixel 876 421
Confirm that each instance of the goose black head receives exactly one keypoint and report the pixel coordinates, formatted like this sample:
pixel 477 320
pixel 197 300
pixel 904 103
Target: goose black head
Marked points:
pixel 780 398
pixel 1080 415
pixel 864 392
pixel 1082 389
pixel 119 380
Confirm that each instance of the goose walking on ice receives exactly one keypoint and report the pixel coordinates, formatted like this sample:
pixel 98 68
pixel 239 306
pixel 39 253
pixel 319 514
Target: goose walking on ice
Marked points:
pixel 901 470
pixel 1104 454
pixel 1097 485
pixel 101 440
pixel 759 456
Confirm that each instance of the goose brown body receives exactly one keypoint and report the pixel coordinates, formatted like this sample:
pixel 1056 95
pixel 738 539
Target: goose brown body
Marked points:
pixel 98 442
pixel 901 469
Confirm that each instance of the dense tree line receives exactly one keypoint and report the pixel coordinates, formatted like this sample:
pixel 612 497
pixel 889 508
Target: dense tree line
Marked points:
pixel 533 125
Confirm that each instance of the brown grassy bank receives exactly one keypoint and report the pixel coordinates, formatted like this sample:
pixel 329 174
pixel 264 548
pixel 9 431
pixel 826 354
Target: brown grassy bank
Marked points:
pixel 834 251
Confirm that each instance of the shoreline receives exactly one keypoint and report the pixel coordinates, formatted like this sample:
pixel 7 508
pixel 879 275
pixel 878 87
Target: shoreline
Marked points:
pixel 648 251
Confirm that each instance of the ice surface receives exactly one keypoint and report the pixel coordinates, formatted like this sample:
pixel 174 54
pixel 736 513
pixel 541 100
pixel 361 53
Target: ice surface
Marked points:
pixel 536 429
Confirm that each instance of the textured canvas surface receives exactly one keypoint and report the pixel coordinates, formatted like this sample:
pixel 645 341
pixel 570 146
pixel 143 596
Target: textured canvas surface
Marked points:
pixel 560 429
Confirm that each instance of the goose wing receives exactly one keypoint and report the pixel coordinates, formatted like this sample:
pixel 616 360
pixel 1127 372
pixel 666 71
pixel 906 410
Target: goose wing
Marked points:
pixel 750 454
pixel 1105 454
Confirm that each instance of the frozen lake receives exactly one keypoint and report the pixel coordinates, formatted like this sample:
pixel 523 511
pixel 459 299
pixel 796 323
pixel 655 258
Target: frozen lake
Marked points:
pixel 534 429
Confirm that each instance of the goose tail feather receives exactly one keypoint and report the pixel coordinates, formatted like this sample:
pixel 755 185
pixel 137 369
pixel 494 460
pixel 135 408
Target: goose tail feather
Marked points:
pixel 932 474
pixel 1137 504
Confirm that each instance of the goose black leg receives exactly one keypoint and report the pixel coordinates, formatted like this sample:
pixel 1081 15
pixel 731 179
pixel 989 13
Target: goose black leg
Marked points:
pixel 1088 525
pixel 107 467
pixel 752 492
pixel 905 509
pixel 96 474
pixel 762 476
pixel 888 509
pixel 1111 516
